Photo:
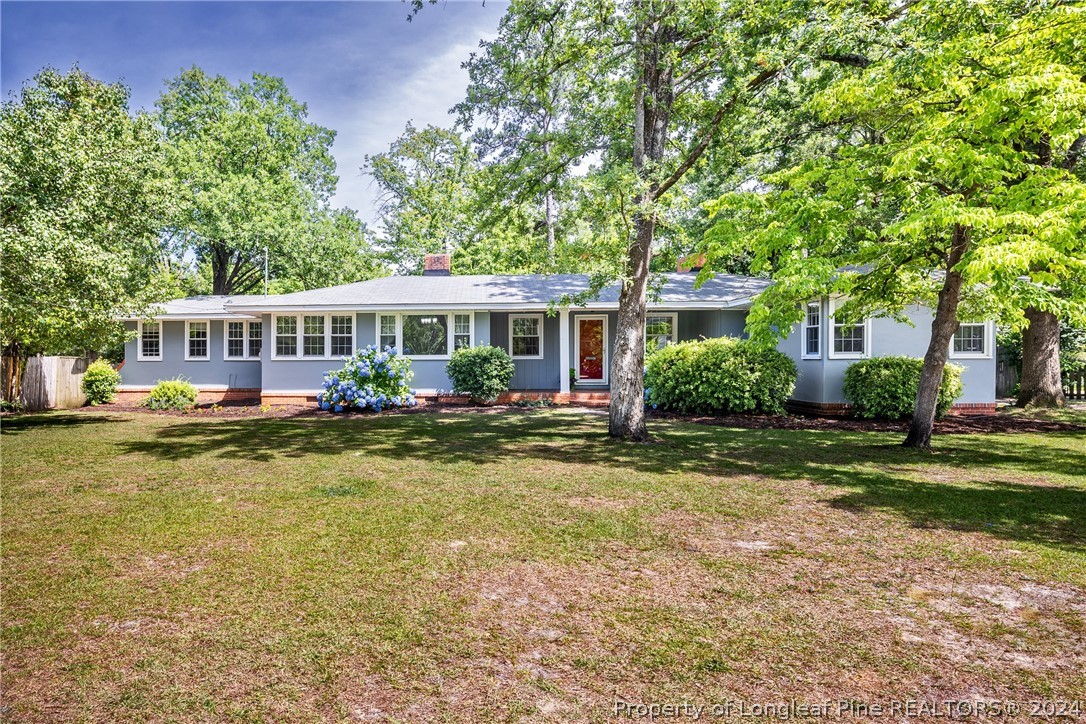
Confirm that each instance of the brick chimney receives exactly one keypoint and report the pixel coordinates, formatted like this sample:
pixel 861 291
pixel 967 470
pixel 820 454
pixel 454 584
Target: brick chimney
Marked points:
pixel 692 263
pixel 436 265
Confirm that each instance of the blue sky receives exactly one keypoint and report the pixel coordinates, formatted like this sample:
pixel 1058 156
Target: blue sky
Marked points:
pixel 363 70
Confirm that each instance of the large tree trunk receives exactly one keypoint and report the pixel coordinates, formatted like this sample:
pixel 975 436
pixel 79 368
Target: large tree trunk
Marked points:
pixel 652 109
pixel 1042 383
pixel 548 209
pixel 220 272
pixel 627 414
pixel 942 333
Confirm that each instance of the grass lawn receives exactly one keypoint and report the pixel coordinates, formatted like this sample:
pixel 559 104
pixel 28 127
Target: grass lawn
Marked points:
pixel 478 567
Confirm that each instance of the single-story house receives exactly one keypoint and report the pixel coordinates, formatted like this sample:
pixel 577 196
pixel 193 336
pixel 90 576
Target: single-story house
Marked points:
pixel 276 348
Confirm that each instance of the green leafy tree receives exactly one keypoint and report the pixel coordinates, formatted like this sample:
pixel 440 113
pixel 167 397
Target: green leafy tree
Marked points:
pixel 648 91
pixel 425 181
pixel 249 172
pixel 948 181
pixel 82 203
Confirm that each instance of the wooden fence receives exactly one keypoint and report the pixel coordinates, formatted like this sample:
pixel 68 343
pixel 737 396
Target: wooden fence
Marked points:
pixel 1074 384
pixel 52 382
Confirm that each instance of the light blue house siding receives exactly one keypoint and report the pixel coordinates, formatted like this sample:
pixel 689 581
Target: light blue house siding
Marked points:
pixel 212 373
pixel 821 380
pixel 304 375
pixel 531 374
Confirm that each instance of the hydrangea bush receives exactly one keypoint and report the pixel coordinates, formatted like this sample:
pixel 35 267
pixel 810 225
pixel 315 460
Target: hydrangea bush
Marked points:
pixel 373 379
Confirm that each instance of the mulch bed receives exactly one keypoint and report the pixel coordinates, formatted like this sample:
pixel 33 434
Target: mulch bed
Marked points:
pixel 950 425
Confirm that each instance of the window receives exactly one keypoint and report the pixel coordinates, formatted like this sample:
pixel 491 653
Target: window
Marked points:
pixel 313 335
pixel 425 335
pixel 235 339
pixel 461 331
pixel 971 340
pixel 197 348
pixel 849 340
pixel 387 333
pixel 256 338
pixel 342 335
pixel 286 336
pixel 659 331
pixel 242 340
pixel 150 348
pixel 812 329
pixel 526 335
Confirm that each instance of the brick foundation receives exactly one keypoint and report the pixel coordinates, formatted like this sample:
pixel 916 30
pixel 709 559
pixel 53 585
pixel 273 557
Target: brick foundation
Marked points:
pixel 237 395
pixel 843 409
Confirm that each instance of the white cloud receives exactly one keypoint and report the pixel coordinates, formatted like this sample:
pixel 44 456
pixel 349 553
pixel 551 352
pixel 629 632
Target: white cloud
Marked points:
pixel 369 125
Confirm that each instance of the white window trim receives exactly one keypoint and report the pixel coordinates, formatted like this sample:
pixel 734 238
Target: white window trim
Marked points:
pixel 989 335
pixel 270 335
pixel 328 334
pixel 830 329
pixel 577 349
pixel 509 346
pixel 450 325
pixel 188 325
pixel 140 357
pixel 674 325
pixel 246 357
pixel 821 334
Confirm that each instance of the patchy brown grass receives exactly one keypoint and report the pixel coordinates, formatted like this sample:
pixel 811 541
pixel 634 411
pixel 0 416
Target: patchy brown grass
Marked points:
pixel 511 567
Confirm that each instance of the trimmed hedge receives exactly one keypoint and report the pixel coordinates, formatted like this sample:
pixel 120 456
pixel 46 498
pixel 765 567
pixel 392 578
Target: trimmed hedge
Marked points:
pixel 885 387
pixel 482 372
pixel 719 376
pixel 100 382
pixel 171 395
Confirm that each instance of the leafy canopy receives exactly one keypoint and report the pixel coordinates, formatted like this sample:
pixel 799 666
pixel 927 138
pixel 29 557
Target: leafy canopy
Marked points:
pixel 82 204
pixel 248 172
pixel 959 116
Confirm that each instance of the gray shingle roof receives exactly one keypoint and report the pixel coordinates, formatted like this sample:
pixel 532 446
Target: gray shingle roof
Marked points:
pixel 201 307
pixel 497 292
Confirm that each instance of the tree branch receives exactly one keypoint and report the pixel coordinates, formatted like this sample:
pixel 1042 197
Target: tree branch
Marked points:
pixel 852 60
pixel 1075 153
pixel 695 153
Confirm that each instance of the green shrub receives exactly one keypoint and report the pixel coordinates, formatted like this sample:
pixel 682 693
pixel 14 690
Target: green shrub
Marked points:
pixel 482 372
pixel 885 387
pixel 100 382
pixel 176 394
pixel 719 376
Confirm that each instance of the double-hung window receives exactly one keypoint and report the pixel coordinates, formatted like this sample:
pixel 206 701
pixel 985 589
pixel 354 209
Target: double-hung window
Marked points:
pixel 461 331
pixel 197 348
pixel 342 335
pixel 526 336
pixel 313 335
pixel 286 336
pixel 150 342
pixel 971 340
pixel 387 333
pixel 660 330
pixel 812 331
pixel 256 339
pixel 302 336
pixel 242 340
pixel 850 341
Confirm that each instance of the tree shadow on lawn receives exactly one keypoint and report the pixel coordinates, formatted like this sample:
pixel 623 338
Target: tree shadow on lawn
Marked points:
pixel 879 473
pixel 24 422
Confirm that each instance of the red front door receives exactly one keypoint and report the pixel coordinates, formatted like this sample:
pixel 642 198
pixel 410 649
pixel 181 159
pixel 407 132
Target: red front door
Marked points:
pixel 590 361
